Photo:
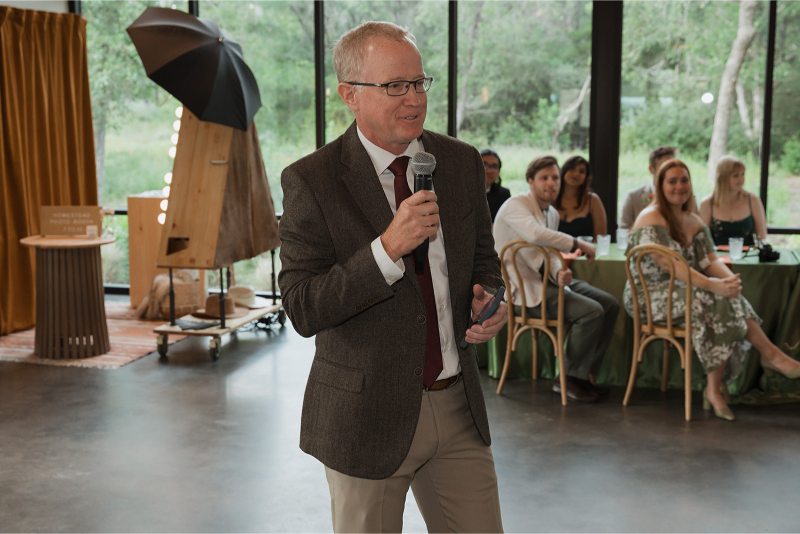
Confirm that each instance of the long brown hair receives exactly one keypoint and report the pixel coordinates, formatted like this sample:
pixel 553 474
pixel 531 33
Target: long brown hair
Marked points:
pixel 673 223
pixel 573 163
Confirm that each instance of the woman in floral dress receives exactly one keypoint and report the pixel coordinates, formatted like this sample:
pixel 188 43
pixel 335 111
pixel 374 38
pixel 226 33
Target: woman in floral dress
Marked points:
pixel 724 325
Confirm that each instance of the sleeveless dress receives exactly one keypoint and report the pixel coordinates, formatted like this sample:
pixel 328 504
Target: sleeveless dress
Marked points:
pixel 718 323
pixel 579 226
pixel 722 231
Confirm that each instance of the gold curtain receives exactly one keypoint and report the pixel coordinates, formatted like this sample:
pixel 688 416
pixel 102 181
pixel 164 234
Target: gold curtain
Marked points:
pixel 46 141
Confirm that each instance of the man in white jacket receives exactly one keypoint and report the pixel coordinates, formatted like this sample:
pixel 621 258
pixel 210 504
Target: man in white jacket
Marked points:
pixel 590 311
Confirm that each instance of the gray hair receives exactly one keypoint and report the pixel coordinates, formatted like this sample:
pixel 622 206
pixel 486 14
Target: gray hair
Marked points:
pixel 349 51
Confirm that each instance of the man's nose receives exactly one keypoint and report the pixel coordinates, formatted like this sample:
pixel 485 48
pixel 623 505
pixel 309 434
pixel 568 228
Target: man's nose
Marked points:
pixel 412 98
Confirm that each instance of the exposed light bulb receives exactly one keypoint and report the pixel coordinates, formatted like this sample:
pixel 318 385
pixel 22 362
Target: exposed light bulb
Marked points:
pixel 707 98
pixel 174 139
pixel 164 204
pixel 172 151
pixel 168 178
pixel 165 191
pixel 161 218
pixel 179 111
pixel 176 126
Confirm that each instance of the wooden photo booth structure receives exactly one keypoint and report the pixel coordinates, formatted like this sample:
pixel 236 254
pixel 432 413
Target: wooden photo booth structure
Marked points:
pixel 220 209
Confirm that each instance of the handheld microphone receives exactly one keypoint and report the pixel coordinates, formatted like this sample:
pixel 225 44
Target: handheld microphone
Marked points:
pixel 423 165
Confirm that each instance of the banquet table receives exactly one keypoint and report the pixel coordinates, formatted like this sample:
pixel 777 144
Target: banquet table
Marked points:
pixel 772 288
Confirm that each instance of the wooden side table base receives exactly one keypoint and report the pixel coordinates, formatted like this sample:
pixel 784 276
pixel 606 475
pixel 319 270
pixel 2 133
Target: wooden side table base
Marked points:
pixel 70 307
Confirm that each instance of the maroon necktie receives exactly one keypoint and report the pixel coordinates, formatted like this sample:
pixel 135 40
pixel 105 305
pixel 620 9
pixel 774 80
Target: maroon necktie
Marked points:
pixel 433 348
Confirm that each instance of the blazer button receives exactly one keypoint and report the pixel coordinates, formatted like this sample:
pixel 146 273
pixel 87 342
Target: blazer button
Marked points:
pixel 421 319
pixel 376 296
pixel 418 371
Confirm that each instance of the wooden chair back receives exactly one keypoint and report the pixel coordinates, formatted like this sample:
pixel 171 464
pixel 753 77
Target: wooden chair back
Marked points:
pixel 519 324
pixel 649 331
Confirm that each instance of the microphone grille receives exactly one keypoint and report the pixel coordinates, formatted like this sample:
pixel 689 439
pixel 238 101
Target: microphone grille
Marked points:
pixel 423 163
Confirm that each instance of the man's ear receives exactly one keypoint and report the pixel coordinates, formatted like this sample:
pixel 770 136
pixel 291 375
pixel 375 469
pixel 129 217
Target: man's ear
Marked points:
pixel 348 94
pixel 651 169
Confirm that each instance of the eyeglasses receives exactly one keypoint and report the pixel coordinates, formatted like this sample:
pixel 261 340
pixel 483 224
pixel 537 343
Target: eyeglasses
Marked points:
pixel 400 87
pixel 491 166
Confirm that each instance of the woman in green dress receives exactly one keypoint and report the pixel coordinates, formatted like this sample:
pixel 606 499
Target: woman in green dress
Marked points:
pixel 724 325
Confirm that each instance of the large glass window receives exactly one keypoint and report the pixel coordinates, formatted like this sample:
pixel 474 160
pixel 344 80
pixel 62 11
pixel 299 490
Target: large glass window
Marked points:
pixel 783 196
pixel 277 39
pixel 673 58
pixel 132 118
pixel 426 20
pixel 523 81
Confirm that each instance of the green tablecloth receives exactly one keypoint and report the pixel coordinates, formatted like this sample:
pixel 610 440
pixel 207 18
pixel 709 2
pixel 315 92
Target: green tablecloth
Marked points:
pixel 772 288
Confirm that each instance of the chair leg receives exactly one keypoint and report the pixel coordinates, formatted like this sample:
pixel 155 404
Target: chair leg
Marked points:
pixel 535 343
pixel 634 368
pixel 687 386
pixel 508 359
pixel 562 373
pixel 665 367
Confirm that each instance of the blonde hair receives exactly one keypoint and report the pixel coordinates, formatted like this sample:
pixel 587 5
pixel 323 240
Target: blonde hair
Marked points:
pixel 349 51
pixel 726 166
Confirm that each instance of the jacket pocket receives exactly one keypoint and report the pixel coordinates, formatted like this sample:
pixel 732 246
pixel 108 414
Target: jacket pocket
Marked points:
pixel 337 376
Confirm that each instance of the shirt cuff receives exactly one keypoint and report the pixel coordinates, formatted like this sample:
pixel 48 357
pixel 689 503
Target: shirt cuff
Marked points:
pixel 392 270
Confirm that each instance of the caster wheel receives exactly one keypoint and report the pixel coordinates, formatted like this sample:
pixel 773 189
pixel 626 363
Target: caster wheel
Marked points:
pixel 214 354
pixel 163 346
pixel 213 349
pixel 282 317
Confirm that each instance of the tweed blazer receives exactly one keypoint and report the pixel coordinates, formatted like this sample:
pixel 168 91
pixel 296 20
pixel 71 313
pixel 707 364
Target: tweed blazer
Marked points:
pixel 364 391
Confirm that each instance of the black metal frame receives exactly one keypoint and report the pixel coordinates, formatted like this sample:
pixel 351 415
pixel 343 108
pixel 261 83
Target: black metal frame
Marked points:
pixel 604 120
pixel 319 70
pixel 766 133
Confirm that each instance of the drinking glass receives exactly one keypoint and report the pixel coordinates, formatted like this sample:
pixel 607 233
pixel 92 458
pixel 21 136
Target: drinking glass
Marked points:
pixel 735 244
pixel 603 245
pixel 586 238
pixel 622 238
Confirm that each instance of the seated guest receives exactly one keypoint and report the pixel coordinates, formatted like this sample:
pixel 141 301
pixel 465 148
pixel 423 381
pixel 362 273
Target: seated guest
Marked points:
pixel 731 211
pixel 495 194
pixel 640 198
pixel 590 311
pixel 724 324
pixel 580 210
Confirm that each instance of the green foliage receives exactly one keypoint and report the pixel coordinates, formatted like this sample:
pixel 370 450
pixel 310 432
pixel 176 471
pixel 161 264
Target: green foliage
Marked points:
pixel 791 155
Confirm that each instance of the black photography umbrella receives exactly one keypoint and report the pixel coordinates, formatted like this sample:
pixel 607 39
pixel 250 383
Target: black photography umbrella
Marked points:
pixel 195 63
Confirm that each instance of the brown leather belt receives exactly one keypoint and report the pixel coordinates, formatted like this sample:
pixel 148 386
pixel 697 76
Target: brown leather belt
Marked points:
pixel 444 383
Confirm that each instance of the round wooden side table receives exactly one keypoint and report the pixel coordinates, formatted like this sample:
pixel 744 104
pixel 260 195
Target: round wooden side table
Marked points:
pixel 70 306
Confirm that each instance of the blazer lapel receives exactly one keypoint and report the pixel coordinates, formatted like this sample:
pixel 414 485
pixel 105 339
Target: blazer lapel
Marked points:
pixel 363 184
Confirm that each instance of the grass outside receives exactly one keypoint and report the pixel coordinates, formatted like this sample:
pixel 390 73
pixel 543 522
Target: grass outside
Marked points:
pixel 137 159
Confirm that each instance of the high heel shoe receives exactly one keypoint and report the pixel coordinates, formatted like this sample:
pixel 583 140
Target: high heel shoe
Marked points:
pixel 726 413
pixel 793 374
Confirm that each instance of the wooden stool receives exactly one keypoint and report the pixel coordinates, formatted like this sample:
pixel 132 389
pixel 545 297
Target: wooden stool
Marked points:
pixel 70 307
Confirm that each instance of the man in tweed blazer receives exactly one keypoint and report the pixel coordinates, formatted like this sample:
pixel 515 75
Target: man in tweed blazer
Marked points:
pixel 347 278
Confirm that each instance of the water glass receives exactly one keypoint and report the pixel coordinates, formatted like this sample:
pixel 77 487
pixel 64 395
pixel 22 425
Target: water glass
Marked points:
pixel 622 238
pixel 586 238
pixel 603 245
pixel 735 244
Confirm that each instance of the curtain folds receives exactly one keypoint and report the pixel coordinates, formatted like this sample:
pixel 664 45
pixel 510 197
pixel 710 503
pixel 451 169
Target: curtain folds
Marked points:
pixel 46 141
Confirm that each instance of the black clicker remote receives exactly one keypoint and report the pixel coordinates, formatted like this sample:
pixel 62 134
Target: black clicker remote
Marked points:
pixel 486 312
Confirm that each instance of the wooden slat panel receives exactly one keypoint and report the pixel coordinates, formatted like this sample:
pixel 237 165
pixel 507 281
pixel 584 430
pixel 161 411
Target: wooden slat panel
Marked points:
pixel 197 191
pixel 144 237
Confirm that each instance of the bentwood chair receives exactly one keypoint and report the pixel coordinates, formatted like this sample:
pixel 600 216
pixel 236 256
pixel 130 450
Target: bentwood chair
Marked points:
pixel 519 324
pixel 649 331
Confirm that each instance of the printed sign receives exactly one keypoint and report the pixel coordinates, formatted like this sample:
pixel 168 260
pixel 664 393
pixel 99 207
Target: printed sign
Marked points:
pixel 70 220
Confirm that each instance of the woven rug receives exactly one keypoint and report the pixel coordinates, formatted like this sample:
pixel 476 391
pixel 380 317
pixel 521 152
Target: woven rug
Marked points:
pixel 130 339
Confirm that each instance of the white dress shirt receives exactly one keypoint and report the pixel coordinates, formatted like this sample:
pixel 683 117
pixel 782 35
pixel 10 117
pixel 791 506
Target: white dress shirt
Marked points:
pixel 520 217
pixel 394 271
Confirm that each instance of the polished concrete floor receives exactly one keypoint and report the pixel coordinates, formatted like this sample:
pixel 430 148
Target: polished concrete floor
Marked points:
pixel 199 446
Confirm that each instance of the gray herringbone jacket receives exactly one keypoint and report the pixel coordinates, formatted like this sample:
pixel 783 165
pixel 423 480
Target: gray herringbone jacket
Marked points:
pixel 363 395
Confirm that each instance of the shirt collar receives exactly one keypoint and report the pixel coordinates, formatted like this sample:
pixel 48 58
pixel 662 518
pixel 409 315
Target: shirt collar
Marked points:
pixel 381 159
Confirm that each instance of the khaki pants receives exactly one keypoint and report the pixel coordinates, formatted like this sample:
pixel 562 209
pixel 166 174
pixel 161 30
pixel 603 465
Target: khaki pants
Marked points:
pixel 449 469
